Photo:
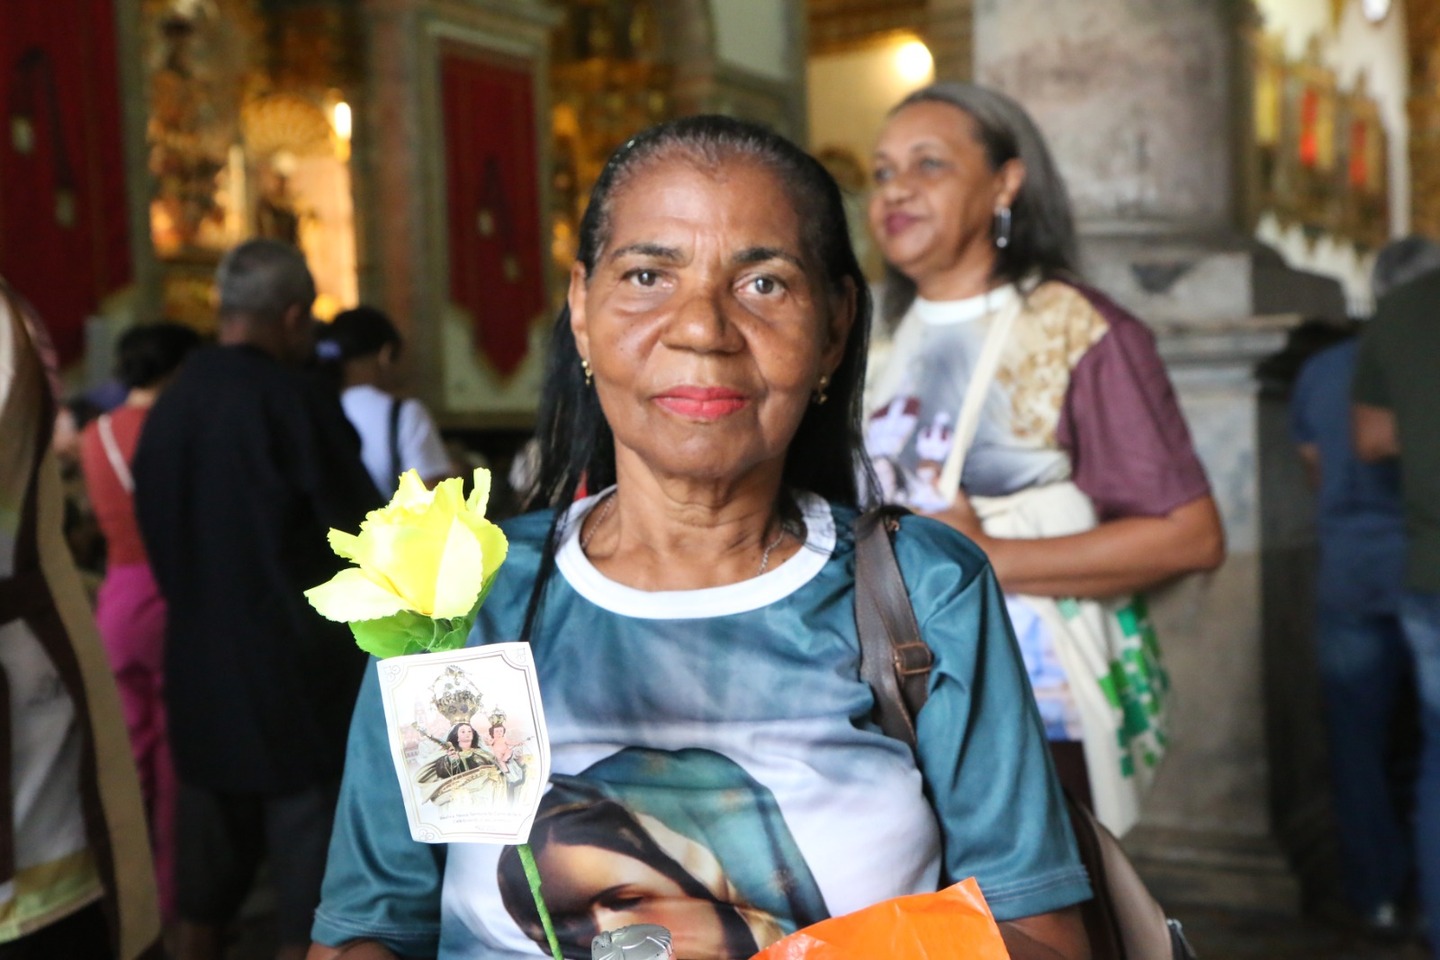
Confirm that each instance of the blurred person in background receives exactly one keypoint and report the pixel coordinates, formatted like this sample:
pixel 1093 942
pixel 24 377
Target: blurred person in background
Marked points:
pixel 129 609
pixel 1364 666
pixel 76 880
pixel 974 222
pixel 1395 412
pixel 244 464
pixel 362 348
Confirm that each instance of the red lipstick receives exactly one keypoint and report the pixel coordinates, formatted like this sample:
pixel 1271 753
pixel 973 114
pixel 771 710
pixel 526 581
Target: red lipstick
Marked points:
pixel 898 222
pixel 702 403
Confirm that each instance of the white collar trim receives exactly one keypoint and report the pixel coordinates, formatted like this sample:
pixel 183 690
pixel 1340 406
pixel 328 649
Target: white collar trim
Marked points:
pixel 742 597
pixel 943 312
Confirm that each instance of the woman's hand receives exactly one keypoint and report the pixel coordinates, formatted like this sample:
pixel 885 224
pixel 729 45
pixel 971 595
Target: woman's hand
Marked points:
pixel 1048 936
pixel 961 515
pixel 1116 558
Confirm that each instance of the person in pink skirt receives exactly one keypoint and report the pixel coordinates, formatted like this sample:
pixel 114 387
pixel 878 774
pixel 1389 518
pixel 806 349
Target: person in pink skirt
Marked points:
pixel 129 610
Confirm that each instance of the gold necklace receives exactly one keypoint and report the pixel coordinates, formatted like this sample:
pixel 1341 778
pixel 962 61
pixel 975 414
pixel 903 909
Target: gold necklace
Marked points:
pixel 610 503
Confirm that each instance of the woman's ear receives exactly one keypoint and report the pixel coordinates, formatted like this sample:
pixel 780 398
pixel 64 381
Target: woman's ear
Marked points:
pixel 575 299
pixel 1012 178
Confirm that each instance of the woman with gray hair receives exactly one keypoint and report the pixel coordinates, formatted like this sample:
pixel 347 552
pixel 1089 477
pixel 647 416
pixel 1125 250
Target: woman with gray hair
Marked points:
pixel 1011 382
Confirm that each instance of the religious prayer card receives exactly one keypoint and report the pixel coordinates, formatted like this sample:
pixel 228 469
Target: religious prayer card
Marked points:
pixel 467 735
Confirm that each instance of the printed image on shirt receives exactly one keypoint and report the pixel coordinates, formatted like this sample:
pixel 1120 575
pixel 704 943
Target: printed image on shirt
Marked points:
pixel 1058 710
pixel 909 456
pixel 686 839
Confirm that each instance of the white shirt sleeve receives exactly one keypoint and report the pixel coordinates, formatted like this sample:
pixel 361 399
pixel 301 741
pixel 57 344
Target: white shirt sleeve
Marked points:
pixel 420 446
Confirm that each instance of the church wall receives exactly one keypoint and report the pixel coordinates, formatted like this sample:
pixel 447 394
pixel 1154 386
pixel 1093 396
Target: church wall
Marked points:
pixel 1356 46
pixel 850 91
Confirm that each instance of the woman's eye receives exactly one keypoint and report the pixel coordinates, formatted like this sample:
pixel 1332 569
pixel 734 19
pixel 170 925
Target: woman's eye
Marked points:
pixel 882 175
pixel 644 278
pixel 931 163
pixel 765 285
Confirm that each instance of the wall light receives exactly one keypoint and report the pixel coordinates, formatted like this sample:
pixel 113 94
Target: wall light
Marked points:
pixel 341 120
pixel 913 61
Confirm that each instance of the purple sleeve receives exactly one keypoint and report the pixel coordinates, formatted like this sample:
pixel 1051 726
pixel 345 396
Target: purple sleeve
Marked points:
pixel 1123 428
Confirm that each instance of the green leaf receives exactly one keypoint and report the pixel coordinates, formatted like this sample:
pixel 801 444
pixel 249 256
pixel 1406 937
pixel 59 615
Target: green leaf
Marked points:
pixel 448 634
pixel 396 635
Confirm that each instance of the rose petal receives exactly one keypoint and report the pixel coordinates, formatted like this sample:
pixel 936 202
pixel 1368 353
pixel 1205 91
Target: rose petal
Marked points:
pixel 346 545
pixel 351 595
pixel 479 493
pixel 461 573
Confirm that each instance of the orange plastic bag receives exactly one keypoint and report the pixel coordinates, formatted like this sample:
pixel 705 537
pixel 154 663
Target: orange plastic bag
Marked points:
pixel 954 924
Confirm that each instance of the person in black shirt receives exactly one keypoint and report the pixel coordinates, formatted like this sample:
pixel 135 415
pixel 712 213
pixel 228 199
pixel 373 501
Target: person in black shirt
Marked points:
pixel 244 464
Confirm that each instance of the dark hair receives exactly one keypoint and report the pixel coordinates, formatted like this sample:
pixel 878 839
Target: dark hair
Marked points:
pixel 606 825
pixel 827 453
pixel 148 353
pixel 1042 229
pixel 355 333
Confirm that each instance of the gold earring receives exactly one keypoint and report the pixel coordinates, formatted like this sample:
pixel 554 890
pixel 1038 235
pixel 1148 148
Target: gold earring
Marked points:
pixel 589 373
pixel 820 395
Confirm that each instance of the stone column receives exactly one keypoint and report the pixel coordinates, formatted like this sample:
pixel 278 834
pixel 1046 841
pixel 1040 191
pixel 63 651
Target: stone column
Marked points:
pixel 1139 103
pixel 401 217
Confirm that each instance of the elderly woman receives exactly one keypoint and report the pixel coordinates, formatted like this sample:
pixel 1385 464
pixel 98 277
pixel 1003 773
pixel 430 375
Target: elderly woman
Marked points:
pixel 1007 376
pixel 704 387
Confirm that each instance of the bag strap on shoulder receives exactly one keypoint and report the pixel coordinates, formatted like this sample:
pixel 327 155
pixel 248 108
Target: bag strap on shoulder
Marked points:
pixel 393 437
pixel 1123 921
pixel 894 659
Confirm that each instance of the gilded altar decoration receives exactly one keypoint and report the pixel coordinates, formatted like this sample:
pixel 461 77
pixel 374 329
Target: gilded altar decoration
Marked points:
pixel 609 82
pixel 1320 149
pixel 245 139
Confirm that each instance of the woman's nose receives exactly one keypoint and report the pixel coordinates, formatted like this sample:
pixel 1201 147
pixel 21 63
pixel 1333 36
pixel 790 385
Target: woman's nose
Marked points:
pixel 894 188
pixel 702 324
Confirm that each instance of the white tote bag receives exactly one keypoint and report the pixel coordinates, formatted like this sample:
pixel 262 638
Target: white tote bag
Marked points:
pixel 1107 648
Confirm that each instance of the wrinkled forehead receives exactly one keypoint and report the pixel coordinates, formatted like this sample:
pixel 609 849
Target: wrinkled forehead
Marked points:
pixel 725 173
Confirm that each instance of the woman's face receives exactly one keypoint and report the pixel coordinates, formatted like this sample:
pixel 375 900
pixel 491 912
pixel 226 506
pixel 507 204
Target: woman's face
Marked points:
pixel 705 324
pixel 465 736
pixel 935 195
pixel 589 890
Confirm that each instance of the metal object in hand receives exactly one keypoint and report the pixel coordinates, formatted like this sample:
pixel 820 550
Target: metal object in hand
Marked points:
pixel 641 941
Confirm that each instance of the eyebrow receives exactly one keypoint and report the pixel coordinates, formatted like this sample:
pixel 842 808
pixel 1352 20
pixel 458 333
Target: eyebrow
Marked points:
pixel 761 254
pixel 927 143
pixel 656 250
pixel 673 255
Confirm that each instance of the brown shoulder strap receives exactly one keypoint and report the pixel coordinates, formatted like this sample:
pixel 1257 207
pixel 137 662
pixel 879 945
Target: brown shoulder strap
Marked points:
pixel 894 659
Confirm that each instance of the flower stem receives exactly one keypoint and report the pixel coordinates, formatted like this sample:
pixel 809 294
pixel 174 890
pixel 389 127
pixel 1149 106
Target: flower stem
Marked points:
pixel 532 874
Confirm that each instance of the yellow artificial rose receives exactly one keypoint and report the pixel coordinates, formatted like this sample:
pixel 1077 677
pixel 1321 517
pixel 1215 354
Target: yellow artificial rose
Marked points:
pixel 429 552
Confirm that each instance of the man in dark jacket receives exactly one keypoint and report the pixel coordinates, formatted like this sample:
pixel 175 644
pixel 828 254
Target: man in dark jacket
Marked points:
pixel 243 465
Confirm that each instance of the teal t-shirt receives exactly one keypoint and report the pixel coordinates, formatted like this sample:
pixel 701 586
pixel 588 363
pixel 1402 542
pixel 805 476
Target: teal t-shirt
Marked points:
pixel 715 768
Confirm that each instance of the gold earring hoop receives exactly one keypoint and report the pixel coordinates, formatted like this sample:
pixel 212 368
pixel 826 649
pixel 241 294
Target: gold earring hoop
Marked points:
pixel 589 373
pixel 820 395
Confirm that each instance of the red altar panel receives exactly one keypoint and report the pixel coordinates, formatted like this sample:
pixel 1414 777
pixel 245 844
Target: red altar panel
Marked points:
pixel 492 193
pixel 64 240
